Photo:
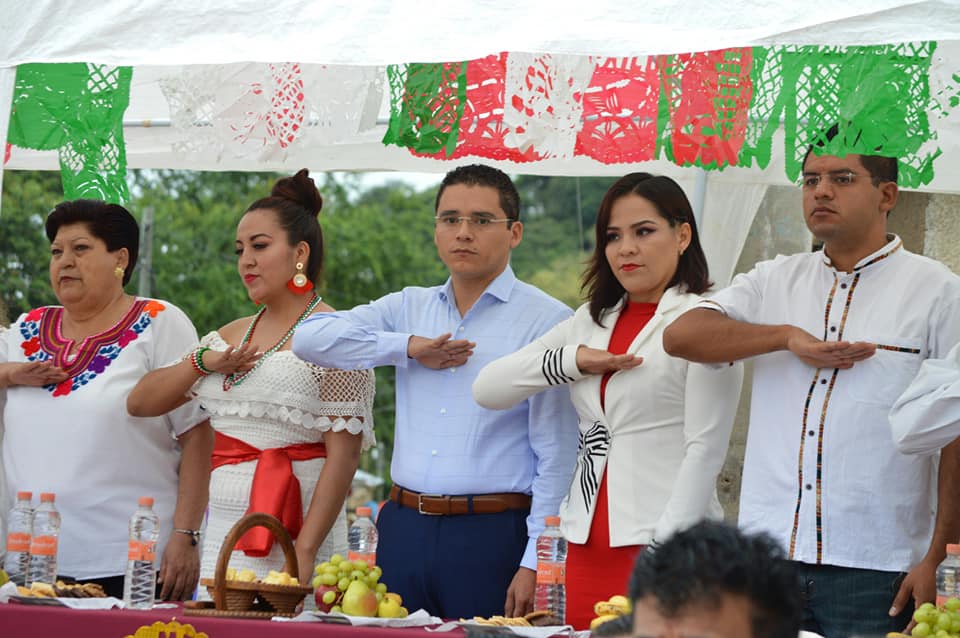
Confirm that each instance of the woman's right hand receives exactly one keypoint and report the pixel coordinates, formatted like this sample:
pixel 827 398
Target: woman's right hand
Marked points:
pixel 233 359
pixel 594 361
pixel 35 373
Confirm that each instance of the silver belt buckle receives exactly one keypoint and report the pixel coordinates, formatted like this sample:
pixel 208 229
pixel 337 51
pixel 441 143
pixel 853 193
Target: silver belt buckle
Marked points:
pixel 420 504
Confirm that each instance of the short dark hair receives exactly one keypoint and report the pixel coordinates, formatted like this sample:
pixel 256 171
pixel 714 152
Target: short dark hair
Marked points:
pixel 700 565
pixel 881 168
pixel 297 204
pixel 619 626
pixel 601 285
pixel 482 175
pixel 110 223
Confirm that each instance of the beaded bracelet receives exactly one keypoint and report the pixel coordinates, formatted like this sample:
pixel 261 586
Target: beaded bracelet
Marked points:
pixel 197 362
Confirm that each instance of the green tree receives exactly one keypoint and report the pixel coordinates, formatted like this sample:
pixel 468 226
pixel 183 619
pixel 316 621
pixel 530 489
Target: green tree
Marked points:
pixel 24 250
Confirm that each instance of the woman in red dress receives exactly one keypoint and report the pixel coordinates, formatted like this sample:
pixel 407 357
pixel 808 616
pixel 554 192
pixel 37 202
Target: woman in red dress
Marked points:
pixel 654 429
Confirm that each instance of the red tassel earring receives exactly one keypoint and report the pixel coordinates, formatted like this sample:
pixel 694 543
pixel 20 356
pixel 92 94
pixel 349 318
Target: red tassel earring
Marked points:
pixel 299 283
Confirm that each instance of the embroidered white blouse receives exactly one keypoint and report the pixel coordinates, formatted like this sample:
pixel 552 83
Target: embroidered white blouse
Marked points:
pixel 76 439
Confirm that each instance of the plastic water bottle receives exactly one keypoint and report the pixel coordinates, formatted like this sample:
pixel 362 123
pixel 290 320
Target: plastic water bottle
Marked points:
pixel 948 575
pixel 19 531
pixel 362 538
pixel 551 592
pixel 43 542
pixel 140 582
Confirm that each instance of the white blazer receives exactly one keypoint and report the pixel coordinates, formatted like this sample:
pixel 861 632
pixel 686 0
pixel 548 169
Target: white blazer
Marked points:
pixel 664 433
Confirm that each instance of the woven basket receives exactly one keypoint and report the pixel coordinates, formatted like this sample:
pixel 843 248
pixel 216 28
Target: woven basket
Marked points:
pixel 238 596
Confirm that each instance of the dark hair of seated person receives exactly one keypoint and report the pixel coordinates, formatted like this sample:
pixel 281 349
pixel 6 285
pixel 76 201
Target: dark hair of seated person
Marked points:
pixel 697 567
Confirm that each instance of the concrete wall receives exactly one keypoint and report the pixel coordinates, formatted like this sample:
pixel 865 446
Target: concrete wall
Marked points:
pixel 927 223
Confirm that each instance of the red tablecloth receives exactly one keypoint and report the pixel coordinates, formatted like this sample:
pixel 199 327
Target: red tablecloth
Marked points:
pixel 34 621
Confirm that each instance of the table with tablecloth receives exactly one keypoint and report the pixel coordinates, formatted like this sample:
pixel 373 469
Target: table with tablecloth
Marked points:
pixel 36 621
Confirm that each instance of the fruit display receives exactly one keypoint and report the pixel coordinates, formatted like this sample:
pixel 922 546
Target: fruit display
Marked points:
pixel 935 622
pixel 607 610
pixel 273 577
pixel 533 619
pixel 354 588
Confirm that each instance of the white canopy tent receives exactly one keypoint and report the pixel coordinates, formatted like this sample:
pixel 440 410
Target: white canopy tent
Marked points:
pixel 178 50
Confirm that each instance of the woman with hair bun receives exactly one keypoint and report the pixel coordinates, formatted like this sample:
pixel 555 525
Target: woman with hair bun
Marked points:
pixel 288 433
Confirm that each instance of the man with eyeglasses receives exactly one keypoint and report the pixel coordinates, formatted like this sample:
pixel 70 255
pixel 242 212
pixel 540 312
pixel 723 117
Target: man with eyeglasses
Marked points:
pixel 471 486
pixel 836 336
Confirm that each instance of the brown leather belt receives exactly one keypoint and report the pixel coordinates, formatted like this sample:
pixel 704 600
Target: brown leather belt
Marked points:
pixel 439 504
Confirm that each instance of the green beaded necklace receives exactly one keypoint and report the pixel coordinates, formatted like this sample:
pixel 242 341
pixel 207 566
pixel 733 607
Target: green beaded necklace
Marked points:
pixel 233 378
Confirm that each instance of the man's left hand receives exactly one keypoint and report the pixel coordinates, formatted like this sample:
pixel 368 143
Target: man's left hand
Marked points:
pixel 920 583
pixel 179 568
pixel 520 593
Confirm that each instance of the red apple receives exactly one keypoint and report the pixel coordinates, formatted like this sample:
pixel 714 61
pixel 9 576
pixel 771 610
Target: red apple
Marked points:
pixel 318 596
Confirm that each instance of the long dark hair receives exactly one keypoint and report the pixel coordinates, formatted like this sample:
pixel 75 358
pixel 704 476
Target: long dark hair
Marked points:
pixel 601 285
pixel 297 203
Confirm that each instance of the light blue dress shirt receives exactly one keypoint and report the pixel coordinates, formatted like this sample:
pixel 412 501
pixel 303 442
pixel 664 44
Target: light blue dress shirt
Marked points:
pixel 444 442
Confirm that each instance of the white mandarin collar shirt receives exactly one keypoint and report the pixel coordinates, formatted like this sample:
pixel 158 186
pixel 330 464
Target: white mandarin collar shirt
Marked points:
pixel 821 472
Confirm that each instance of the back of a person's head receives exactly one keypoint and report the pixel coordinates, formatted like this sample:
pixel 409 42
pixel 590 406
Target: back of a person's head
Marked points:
pixel 483 175
pixel 702 564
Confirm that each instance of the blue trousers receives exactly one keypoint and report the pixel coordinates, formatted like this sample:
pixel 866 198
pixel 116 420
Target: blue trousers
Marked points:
pixel 844 601
pixel 451 566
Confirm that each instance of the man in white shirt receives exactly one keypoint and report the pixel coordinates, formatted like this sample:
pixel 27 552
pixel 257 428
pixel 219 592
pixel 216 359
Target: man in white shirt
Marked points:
pixel 838 334
pixel 471 486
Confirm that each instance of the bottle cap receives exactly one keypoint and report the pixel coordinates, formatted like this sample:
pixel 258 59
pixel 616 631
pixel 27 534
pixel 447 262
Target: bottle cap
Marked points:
pixel 364 511
pixel 953 548
pixel 47 497
pixel 24 496
pixel 552 521
pixel 145 501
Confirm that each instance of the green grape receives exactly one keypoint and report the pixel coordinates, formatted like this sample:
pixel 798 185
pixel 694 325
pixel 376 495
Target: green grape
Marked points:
pixel 376 570
pixel 336 609
pixel 944 621
pixel 928 616
pixel 381 588
pixel 336 559
pixel 954 626
pixel 941 633
pixel 921 630
pixel 361 565
pixel 331 569
pixel 357 575
pixel 316 582
pixel 319 569
pixel 329 596
pixel 379 596
pixel 952 604
pixel 327 578
pixel 343 583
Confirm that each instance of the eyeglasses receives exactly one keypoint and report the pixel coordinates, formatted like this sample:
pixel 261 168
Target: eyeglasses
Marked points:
pixel 836 178
pixel 449 222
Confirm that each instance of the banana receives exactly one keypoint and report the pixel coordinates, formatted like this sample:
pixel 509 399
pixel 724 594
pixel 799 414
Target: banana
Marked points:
pixel 599 620
pixel 617 605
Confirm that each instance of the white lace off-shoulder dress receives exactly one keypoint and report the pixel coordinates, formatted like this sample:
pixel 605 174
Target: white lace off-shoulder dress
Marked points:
pixel 285 401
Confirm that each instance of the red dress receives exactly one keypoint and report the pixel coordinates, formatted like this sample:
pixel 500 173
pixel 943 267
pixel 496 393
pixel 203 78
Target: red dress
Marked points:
pixel 596 571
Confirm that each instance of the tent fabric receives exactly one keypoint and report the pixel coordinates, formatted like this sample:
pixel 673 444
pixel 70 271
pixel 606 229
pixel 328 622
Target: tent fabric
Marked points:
pixel 380 32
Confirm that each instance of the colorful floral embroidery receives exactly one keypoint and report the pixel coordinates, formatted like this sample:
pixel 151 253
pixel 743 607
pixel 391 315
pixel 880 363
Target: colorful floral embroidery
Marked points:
pixel 43 341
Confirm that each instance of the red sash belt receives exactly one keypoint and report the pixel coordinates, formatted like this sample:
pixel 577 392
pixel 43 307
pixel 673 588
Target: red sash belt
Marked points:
pixel 275 488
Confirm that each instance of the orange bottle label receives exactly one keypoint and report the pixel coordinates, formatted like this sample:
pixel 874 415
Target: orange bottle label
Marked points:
pixel 371 559
pixel 43 545
pixel 551 573
pixel 142 550
pixel 18 542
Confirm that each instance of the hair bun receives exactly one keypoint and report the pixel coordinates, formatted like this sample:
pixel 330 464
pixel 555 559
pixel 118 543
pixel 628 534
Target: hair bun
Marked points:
pixel 300 189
